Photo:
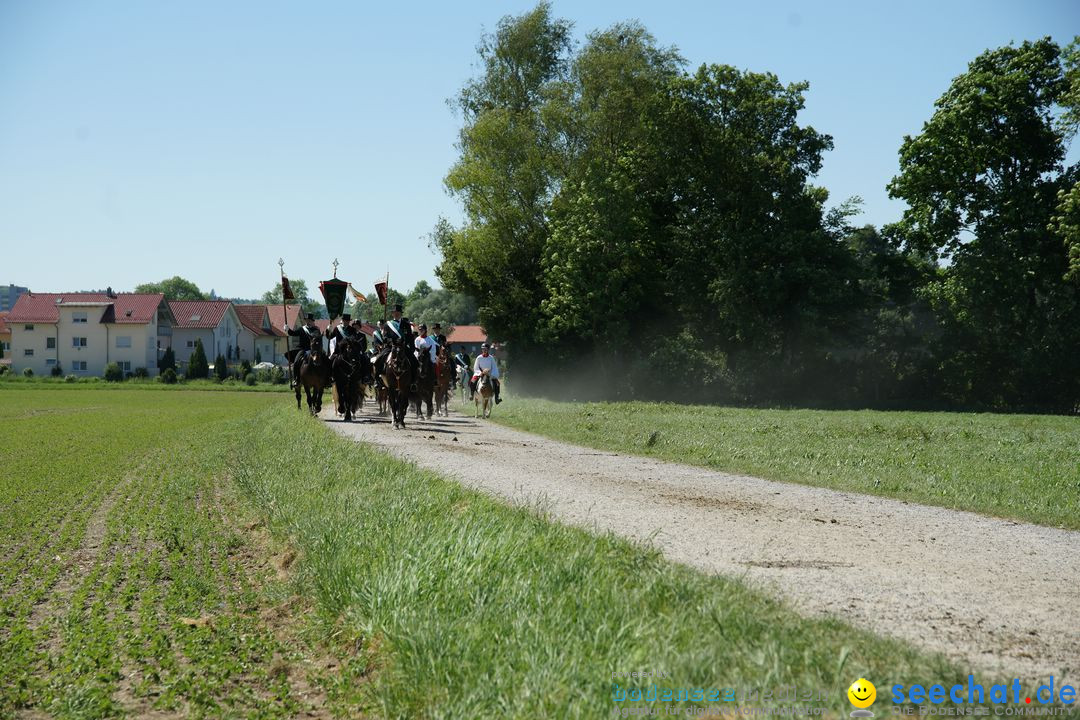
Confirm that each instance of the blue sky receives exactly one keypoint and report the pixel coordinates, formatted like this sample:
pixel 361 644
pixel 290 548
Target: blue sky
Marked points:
pixel 141 140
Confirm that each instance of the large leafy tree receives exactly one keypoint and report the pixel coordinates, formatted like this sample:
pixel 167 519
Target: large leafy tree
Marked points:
pixel 508 168
pixel 983 181
pixel 174 288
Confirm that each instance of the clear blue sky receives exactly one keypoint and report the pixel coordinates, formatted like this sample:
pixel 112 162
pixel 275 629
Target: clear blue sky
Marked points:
pixel 141 140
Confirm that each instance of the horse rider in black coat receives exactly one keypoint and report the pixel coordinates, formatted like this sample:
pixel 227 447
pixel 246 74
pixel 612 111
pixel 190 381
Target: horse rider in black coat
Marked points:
pixel 307 335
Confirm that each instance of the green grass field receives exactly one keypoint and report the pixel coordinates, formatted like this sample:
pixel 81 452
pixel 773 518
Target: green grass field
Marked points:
pixel 130 581
pixel 1023 467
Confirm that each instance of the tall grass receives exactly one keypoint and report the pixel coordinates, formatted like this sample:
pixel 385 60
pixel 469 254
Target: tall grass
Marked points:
pixel 1024 467
pixel 465 607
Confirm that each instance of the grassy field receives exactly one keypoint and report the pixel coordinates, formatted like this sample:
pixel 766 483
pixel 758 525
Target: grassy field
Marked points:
pixel 1023 467
pixel 128 584
pixel 131 580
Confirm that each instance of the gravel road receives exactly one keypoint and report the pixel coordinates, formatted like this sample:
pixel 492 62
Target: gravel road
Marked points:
pixel 993 594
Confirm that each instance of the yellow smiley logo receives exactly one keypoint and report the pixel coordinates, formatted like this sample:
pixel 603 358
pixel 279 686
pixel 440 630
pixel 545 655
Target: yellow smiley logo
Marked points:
pixel 862 693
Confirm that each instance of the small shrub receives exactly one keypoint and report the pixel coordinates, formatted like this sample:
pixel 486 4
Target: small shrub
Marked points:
pixel 113 373
pixel 28 372
pixel 277 376
pixel 71 378
pixel 168 376
pixel 250 380
pixel 57 370
pixel 221 368
pixel 3 369
pixel 141 372
pixel 245 368
pixel 168 360
pixel 198 368
pixel 258 357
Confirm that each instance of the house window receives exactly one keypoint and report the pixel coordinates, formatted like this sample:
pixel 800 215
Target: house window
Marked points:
pixel 125 366
pixel 78 342
pixel 191 343
pixel 27 327
pixel 123 341
pixel 49 362
pixel 50 343
pixel 6 345
pixel 28 352
pixel 79 365
pixel 78 317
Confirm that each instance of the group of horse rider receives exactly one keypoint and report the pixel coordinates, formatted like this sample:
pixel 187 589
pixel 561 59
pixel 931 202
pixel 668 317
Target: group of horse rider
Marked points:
pixel 399 332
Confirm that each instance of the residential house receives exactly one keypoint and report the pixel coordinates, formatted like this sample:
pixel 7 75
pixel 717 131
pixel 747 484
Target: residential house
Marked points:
pixel 258 337
pixel 215 322
pixel 83 332
pixel 467 338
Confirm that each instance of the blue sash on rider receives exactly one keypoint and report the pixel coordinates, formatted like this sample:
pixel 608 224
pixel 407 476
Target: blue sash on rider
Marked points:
pixel 394 327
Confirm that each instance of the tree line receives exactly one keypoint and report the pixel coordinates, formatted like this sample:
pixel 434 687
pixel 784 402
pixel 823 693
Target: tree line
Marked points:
pixel 660 225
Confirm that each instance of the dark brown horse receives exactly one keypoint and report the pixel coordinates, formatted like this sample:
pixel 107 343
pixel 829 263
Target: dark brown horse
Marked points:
pixel 444 371
pixel 399 381
pixel 314 377
pixel 348 367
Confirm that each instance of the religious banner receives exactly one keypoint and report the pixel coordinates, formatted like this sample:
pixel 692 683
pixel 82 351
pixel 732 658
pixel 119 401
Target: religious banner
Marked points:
pixel 333 292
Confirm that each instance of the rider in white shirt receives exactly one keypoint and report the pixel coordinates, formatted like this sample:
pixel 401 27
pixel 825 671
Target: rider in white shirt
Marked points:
pixel 486 361
pixel 423 342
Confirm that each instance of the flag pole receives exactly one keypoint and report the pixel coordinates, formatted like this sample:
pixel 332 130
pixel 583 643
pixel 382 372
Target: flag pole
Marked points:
pixel 285 313
pixel 387 302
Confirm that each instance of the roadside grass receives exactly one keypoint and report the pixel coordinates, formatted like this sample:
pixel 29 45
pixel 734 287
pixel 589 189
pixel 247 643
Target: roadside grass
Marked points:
pixel 1022 467
pixel 128 584
pixel 464 607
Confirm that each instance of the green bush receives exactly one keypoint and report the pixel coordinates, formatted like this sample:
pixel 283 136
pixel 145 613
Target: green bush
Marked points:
pixel 245 368
pixel 168 360
pixel 71 378
pixel 277 376
pixel 258 356
pixel 168 376
pixel 57 370
pixel 221 368
pixel 113 373
pixel 198 367
pixel 250 380
pixel 141 372
pixel 27 372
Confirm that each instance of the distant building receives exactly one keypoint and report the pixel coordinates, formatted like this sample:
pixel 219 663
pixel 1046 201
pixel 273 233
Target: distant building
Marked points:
pixel 258 334
pixel 83 332
pixel 8 296
pixel 5 338
pixel 215 322
pixel 468 338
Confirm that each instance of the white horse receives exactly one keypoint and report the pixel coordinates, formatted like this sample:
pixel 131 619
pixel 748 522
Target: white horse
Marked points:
pixel 485 391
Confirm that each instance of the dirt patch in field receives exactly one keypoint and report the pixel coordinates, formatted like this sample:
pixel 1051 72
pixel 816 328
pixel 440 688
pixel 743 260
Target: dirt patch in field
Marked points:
pixel 989 593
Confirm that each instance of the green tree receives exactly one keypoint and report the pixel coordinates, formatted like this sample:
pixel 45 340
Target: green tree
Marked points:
pixel 508 169
pixel 983 182
pixel 300 291
pixel 168 360
pixel 221 367
pixel 198 367
pixel 174 288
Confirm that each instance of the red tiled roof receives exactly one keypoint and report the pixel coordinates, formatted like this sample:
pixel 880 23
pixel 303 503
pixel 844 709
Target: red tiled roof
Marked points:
pixel 3 322
pixel 322 324
pixel 123 308
pixel 198 313
pixel 278 316
pixel 467 334
pixel 252 316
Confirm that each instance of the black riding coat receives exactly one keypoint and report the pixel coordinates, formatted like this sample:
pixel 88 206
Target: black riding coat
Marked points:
pixel 307 334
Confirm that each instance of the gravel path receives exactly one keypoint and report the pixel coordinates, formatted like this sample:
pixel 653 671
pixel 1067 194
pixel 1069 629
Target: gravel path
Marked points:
pixel 993 594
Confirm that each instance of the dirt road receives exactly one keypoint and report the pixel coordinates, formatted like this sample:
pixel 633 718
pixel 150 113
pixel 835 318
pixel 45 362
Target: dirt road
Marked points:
pixel 993 594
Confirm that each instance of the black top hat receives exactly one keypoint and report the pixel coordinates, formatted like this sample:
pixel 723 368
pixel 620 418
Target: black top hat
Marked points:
pixel 310 316
pixel 346 317
pixel 397 308
pixel 423 326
